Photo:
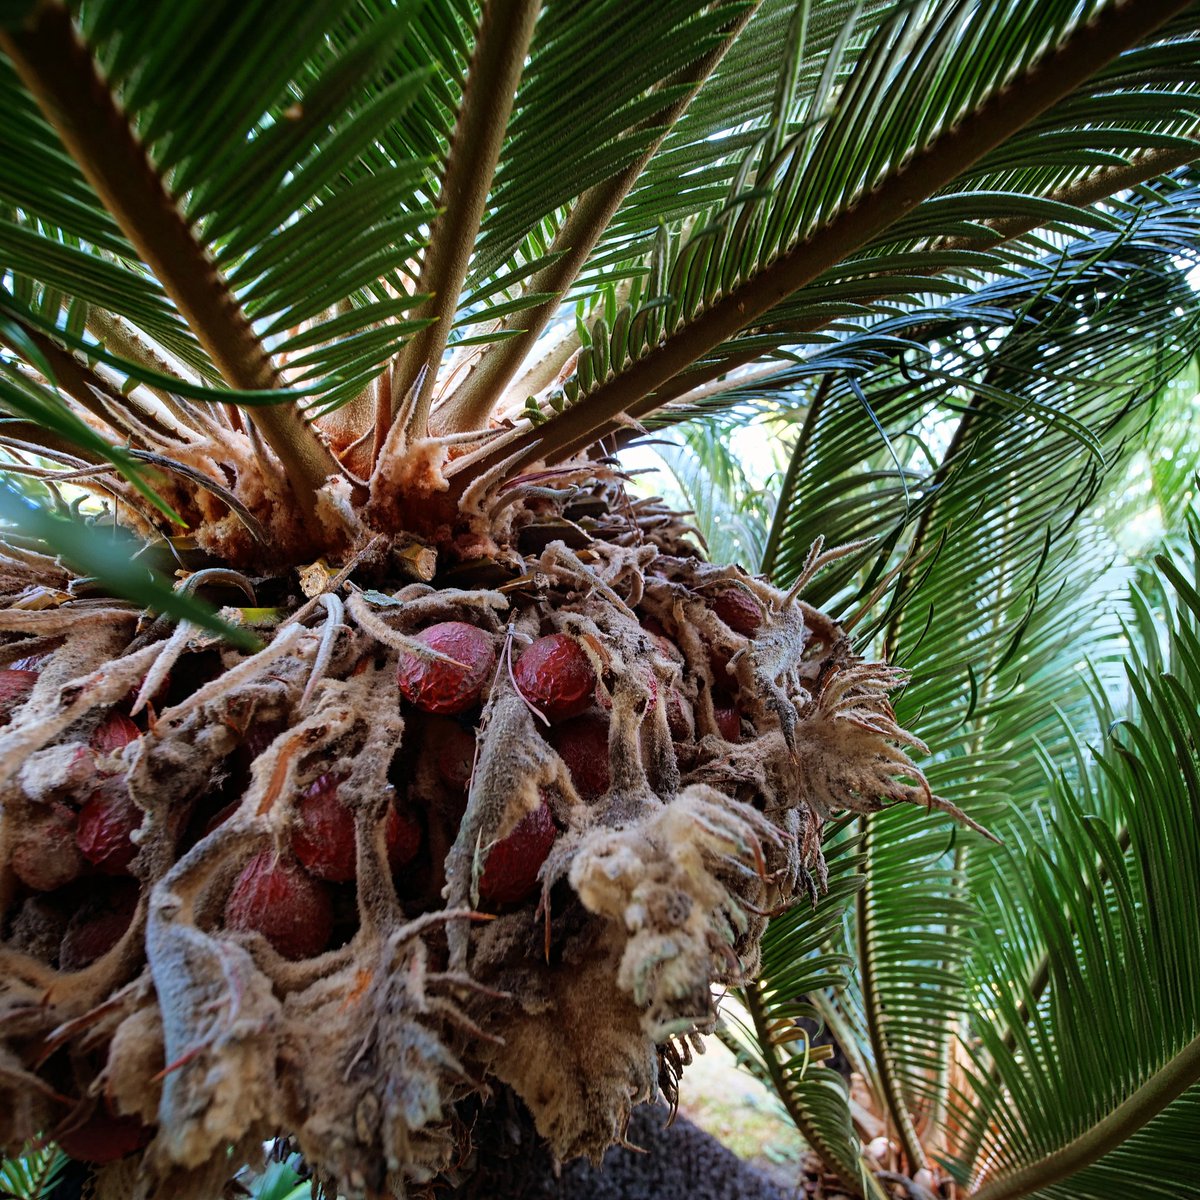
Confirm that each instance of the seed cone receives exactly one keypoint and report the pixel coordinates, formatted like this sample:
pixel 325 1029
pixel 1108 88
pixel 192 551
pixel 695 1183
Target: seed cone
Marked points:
pixel 295 961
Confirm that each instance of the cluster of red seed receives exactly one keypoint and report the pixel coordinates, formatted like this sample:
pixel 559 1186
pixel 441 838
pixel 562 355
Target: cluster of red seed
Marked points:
pixel 77 855
pixel 287 896
pixel 78 850
pixel 556 677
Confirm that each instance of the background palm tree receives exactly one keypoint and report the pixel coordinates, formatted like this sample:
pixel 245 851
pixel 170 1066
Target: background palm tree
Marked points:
pixel 939 248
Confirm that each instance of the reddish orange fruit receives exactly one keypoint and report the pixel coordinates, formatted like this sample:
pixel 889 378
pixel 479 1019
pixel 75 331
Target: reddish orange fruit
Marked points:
pixel 324 840
pixel 404 833
pixel 441 687
pixel 453 753
pixel 323 835
pixel 678 719
pixel 104 1138
pixel 729 720
pixel 114 733
pixel 105 829
pixel 512 867
pixel 555 676
pixel 582 743
pixel 736 607
pixel 276 897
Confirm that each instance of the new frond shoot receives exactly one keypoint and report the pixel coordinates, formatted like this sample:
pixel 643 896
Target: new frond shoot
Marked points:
pixel 503 779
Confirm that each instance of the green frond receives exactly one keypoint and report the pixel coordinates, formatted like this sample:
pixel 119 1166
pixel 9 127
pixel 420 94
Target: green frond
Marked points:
pixel 750 272
pixel 277 174
pixel 796 963
pixel 1083 1095
pixel 32 1174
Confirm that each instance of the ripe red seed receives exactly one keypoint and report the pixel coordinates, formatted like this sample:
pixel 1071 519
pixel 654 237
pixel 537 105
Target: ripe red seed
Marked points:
pixel 324 840
pixel 729 720
pixel 555 676
pixel 15 686
pixel 104 1138
pixel 323 836
pixel 259 734
pixel 441 687
pixel 98 926
pixel 276 897
pixel 114 733
pixel 453 753
pixel 738 610
pixel 44 854
pixel 582 743
pixel 403 836
pixel 513 864
pixel 106 823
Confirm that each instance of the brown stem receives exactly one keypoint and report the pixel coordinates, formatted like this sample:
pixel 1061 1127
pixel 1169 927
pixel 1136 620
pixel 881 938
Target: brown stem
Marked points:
pixel 59 71
pixel 1001 115
pixel 472 403
pixel 1085 192
pixel 124 340
pixel 505 30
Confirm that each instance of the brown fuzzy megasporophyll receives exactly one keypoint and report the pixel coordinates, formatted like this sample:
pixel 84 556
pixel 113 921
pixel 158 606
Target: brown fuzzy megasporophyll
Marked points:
pixel 555 920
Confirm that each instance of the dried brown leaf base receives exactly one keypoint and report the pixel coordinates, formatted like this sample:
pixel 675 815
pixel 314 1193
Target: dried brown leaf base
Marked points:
pixel 195 1043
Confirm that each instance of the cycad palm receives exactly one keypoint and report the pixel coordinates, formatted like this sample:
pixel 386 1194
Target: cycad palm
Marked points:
pixel 301 279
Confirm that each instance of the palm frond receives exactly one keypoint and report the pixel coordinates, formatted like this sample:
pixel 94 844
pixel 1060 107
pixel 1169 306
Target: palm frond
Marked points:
pixel 213 226
pixel 795 964
pixel 788 220
pixel 999 578
pixel 32 1174
pixel 1121 935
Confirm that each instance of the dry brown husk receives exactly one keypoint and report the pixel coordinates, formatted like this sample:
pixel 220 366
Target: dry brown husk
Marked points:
pixel 653 898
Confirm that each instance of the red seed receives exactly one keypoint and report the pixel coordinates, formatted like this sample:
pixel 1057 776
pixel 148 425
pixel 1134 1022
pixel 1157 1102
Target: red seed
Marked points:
pixel 324 839
pixel 453 753
pixel 513 864
pixel 44 854
pixel 98 926
pixel 15 686
pixel 441 687
pixel 729 720
pixel 736 607
pixel 259 734
pixel 106 823
pixel 276 897
pixel 114 733
pixel 679 718
pixel 323 836
pixel 582 743
pixel 555 676
pixel 103 1138
pixel 403 836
